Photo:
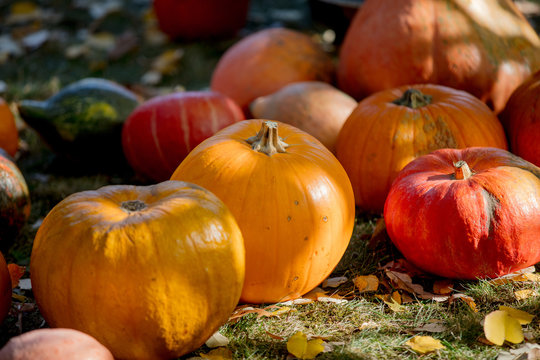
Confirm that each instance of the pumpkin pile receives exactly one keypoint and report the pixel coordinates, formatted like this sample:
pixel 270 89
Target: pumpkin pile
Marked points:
pixel 250 188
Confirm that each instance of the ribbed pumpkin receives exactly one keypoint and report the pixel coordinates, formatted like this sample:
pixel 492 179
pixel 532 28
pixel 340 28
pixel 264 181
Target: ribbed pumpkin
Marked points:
pixel 316 107
pixel 521 120
pixel 466 213
pixel 150 271
pixel 267 60
pixel 14 201
pixel 5 288
pixel 159 133
pixel 484 47
pixel 54 344
pixel 9 135
pixel 290 196
pixel 392 127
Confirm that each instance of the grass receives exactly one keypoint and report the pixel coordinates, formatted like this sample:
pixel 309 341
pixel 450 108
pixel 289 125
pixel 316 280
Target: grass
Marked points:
pixel 362 328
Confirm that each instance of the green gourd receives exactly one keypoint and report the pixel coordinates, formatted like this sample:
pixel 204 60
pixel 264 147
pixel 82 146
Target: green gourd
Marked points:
pixel 83 121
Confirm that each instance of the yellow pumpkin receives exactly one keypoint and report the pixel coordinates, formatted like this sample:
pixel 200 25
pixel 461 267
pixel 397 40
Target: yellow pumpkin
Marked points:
pixel 290 196
pixel 150 271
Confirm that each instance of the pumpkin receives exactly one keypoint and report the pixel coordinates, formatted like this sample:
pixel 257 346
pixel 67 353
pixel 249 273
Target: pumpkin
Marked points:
pixel 9 135
pixel 316 107
pixel 54 344
pixel 392 127
pixel 14 202
pixel 290 196
pixel 200 19
pixel 159 133
pixel 484 47
pixel 466 213
pixel 267 60
pixel 150 271
pixel 5 288
pixel 83 121
pixel 521 120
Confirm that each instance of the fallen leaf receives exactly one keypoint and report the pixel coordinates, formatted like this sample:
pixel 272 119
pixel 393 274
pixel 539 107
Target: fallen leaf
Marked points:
pixel 424 344
pixel 217 340
pixel 404 281
pixel 466 298
pixel 274 336
pixel 299 346
pixel 521 316
pixel 433 326
pixel 500 326
pixel 525 294
pixel 368 325
pixel 334 282
pixel 531 350
pixel 394 305
pixel 331 345
pixel 218 354
pixel 443 287
pixel 15 272
pixel 365 283
pixel 25 284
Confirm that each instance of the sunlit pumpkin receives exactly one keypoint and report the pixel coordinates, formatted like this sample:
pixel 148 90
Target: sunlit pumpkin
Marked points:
pixel 159 133
pixel 392 127
pixel 466 213
pixel 267 60
pixel 521 120
pixel 150 271
pixel 484 47
pixel 54 344
pixel 14 201
pixel 9 135
pixel 290 196
pixel 316 107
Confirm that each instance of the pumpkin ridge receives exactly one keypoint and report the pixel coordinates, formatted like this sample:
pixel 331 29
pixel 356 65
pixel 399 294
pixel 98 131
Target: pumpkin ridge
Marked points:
pixel 491 205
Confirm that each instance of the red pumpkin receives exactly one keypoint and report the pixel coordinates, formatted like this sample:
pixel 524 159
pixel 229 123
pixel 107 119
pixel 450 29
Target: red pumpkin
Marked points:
pixel 392 127
pixel 267 60
pixel 199 19
pixel 14 202
pixel 484 47
pixel 469 213
pixel 54 344
pixel 5 288
pixel 159 133
pixel 521 120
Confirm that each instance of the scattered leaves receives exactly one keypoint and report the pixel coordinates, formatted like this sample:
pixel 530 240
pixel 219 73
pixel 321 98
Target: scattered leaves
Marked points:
pixel 365 283
pixel 299 346
pixel 526 351
pixel 424 344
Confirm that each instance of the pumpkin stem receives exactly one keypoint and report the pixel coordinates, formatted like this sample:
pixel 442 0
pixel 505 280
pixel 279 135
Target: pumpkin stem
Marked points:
pixel 267 139
pixel 413 98
pixel 462 170
pixel 133 205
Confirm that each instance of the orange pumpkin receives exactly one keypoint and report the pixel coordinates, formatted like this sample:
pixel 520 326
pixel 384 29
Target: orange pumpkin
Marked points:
pixel 392 127
pixel 316 107
pixel 150 271
pixel 54 344
pixel 290 196
pixel 9 135
pixel 466 213
pixel 521 120
pixel 5 288
pixel 484 47
pixel 267 60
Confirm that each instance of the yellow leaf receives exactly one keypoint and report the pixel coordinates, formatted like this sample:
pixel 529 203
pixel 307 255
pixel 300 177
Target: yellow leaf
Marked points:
pixel 394 305
pixel 299 346
pixel 366 283
pixel 167 62
pixel 424 344
pixel 218 354
pixel 525 294
pixel 522 317
pixel 500 326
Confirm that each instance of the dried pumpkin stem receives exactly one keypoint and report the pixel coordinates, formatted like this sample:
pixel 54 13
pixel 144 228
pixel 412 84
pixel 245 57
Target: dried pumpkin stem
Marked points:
pixel 462 170
pixel 413 98
pixel 267 139
pixel 133 205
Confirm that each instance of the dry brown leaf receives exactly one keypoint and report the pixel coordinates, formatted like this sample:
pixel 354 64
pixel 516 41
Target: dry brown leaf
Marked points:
pixel 274 336
pixel 526 351
pixel 433 326
pixel 15 272
pixel 404 281
pixel 466 298
pixel 334 282
pixel 443 287
pixel 403 266
pixel 365 283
